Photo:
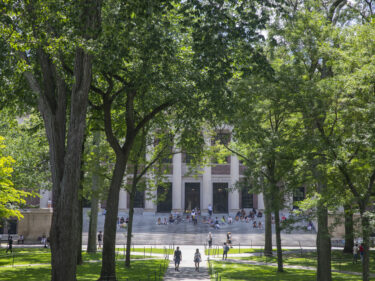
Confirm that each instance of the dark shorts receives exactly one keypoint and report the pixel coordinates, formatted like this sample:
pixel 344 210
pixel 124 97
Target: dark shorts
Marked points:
pixel 177 261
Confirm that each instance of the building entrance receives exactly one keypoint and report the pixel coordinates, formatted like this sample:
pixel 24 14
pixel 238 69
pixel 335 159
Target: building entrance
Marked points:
pixel 192 195
pixel 164 195
pixel 220 190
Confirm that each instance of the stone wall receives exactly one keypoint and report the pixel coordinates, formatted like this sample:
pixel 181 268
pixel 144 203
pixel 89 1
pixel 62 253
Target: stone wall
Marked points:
pixel 35 223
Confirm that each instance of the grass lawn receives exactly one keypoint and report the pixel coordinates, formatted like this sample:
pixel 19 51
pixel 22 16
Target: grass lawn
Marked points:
pixel 147 250
pixel 140 270
pixel 243 272
pixel 41 255
pixel 235 250
pixel 340 261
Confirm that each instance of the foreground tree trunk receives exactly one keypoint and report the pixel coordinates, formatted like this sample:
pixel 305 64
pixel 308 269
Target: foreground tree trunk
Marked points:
pixel 79 231
pixel 130 223
pixel 108 272
pixel 65 149
pixel 267 226
pixel 278 241
pixel 366 244
pixel 65 193
pixel 323 245
pixel 93 224
pixel 349 229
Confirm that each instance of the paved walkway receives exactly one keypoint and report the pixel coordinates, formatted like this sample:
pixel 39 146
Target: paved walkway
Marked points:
pixel 187 269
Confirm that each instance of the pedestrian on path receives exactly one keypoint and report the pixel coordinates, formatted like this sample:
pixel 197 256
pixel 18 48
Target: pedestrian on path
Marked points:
pixel 225 251
pixel 361 251
pixel 209 240
pixel 355 253
pixel 177 259
pixel 10 244
pixel 229 239
pixel 197 259
pixel 100 239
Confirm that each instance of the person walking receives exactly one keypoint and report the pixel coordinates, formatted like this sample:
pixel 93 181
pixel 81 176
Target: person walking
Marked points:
pixel 177 259
pixel 209 240
pixel 100 240
pixel 225 251
pixel 355 253
pixel 10 244
pixel 361 251
pixel 229 239
pixel 197 259
pixel 209 210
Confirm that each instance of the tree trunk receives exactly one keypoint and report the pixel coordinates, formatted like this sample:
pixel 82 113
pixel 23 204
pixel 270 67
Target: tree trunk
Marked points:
pixel 108 272
pixel 93 224
pixel 349 229
pixel 65 150
pixel 80 208
pixel 79 231
pixel 64 220
pixel 267 226
pixel 278 241
pixel 366 245
pixel 130 223
pixel 323 245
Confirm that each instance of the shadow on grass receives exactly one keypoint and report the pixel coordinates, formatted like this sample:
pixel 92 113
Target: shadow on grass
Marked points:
pixel 239 272
pixel 140 270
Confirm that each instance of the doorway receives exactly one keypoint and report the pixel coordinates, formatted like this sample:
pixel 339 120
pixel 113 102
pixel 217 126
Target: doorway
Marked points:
pixel 192 195
pixel 220 196
pixel 164 198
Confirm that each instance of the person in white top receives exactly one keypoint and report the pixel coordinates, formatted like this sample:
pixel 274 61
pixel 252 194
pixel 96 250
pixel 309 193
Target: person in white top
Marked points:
pixel 355 253
pixel 209 209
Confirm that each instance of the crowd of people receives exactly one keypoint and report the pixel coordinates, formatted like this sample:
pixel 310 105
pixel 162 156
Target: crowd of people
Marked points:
pixel 254 216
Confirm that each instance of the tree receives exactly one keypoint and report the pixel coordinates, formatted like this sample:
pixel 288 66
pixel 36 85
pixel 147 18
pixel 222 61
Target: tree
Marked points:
pixel 265 129
pixel 26 143
pixel 349 143
pixel 141 164
pixel 45 36
pixel 10 197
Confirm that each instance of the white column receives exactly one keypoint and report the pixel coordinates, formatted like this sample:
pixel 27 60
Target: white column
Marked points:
pixel 177 183
pixel 234 195
pixel 207 194
pixel 260 201
pixel 122 205
pixel 150 206
pixel 45 196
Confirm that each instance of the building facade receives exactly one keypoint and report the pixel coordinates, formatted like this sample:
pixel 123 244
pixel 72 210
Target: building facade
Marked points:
pixel 213 185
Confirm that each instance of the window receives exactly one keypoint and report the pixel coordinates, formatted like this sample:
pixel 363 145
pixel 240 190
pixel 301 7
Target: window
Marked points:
pixel 298 195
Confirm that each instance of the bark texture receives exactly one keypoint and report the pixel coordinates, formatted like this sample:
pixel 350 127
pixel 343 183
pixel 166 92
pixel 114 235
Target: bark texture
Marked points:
pixel 130 223
pixel 366 245
pixel 349 229
pixel 108 271
pixel 267 226
pixel 278 241
pixel 93 223
pixel 323 245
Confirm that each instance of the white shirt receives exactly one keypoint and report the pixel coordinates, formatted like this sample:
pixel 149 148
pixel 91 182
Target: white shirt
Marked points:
pixel 355 250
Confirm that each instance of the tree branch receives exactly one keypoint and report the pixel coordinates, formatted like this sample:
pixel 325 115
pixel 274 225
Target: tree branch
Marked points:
pixel 152 114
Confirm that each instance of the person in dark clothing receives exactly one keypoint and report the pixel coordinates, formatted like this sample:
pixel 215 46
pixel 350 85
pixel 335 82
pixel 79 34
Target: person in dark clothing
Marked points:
pixel 10 244
pixel 100 239
pixel 177 259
